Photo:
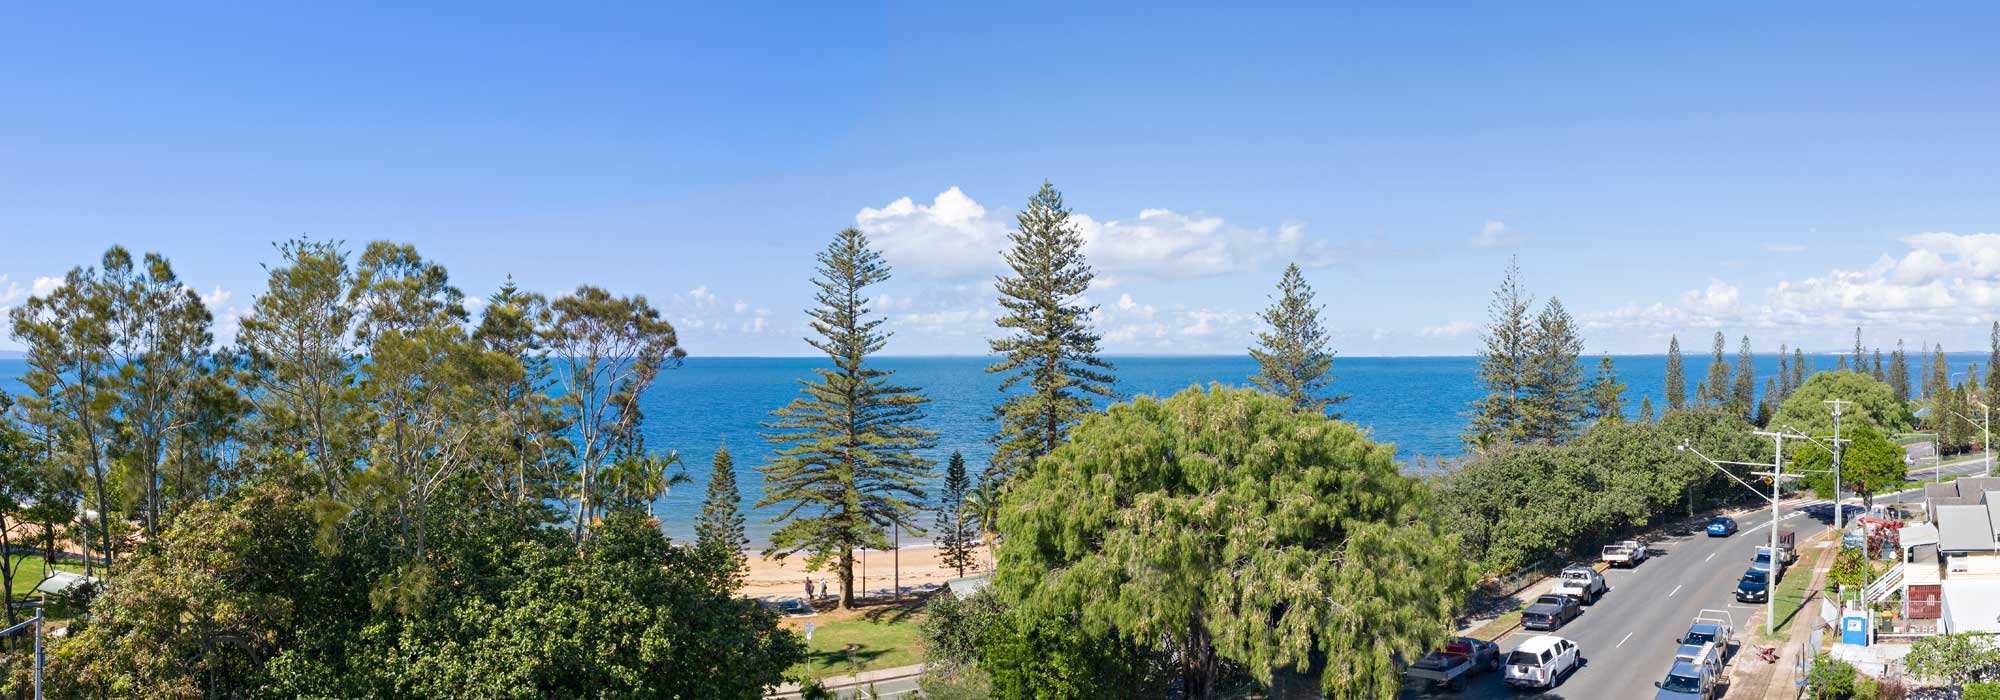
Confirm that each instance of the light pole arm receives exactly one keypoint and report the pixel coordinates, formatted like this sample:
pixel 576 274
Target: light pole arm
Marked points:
pixel 1718 467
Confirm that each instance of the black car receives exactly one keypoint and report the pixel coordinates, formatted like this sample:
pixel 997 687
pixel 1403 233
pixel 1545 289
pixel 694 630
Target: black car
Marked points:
pixel 1551 612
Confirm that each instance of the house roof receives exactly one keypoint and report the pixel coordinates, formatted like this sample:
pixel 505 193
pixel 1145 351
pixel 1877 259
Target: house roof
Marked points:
pixel 1965 528
pixel 1919 534
pixel 60 582
pixel 1972 606
pixel 1968 491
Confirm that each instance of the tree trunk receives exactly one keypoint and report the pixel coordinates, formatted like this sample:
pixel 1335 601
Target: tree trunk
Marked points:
pixel 847 579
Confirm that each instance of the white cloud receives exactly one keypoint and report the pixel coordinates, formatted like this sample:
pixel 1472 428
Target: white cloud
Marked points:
pixel 741 307
pixel 1453 329
pixel 954 236
pixel 1495 234
pixel 44 285
pixel 702 296
pixel 10 291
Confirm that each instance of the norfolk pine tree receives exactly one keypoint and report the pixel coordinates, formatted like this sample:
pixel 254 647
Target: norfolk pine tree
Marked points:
pixel 1993 358
pixel 1798 369
pixel 1899 372
pixel 1050 347
pixel 1646 410
pixel 1293 359
pixel 849 465
pixel 1676 375
pixel 1784 374
pixel 1552 397
pixel 955 527
pixel 1716 388
pixel 1745 394
pixel 1607 394
pixel 1503 365
pixel 718 531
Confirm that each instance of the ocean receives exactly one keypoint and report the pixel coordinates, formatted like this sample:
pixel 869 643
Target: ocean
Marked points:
pixel 1417 404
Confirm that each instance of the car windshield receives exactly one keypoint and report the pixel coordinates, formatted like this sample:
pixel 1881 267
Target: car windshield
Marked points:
pixel 1554 600
pixel 1756 577
pixel 1763 557
pixel 1522 658
pixel 1682 684
pixel 1577 575
pixel 1698 637
pixel 1719 522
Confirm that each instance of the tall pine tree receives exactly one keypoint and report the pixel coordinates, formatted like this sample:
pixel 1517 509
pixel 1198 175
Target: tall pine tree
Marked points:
pixel 1606 394
pixel 1860 353
pixel 1051 349
pixel 1993 359
pixel 1503 365
pixel 1798 368
pixel 1717 383
pixel 1646 410
pixel 1676 375
pixel 849 465
pixel 1899 372
pixel 956 529
pixel 1745 395
pixel 1552 398
pixel 1293 357
pixel 718 531
pixel 1877 371
pixel 1784 374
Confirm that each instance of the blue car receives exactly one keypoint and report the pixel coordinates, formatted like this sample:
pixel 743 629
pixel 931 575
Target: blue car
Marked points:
pixel 1721 527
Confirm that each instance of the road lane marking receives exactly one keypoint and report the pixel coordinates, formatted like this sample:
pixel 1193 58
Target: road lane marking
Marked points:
pixel 1677 589
pixel 1711 555
pixel 1621 642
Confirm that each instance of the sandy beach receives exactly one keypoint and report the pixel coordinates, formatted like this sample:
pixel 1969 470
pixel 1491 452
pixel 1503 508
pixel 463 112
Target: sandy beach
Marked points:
pixel 785 578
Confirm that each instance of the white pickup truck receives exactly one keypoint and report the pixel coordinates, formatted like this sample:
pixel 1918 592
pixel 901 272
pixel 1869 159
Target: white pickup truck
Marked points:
pixel 1582 583
pixel 1627 554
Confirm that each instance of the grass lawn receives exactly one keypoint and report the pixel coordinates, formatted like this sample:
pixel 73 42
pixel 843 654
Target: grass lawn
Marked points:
pixel 1503 624
pixel 30 570
pixel 879 637
pixel 1796 589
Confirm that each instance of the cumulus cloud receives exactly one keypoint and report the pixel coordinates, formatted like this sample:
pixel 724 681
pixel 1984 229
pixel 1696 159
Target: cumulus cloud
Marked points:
pixel 1495 234
pixel 10 291
pixel 44 285
pixel 954 236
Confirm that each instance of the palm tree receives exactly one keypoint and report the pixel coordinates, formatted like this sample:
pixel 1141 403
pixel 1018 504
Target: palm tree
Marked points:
pixel 645 479
pixel 983 504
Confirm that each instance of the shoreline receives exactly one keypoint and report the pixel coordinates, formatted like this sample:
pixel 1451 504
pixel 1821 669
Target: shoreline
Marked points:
pixel 920 568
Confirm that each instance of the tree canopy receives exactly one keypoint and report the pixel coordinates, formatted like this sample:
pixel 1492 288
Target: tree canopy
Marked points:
pixel 1869 462
pixel 1164 521
pixel 1293 353
pixel 1875 405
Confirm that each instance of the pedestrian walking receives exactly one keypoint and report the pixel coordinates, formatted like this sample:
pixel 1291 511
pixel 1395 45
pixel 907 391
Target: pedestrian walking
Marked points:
pixel 823 590
pixel 809 588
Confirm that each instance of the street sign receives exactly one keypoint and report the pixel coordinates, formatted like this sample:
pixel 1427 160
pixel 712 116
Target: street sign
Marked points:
pixel 809 631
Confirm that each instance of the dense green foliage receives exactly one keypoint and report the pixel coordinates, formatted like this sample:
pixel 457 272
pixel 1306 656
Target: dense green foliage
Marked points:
pixel 1552 402
pixel 1606 395
pixel 1535 392
pixel 1518 507
pixel 1874 405
pixel 718 531
pixel 1869 463
pixel 1163 522
pixel 1956 659
pixel 1049 358
pixel 1829 679
pixel 1293 353
pixel 850 467
pixel 374 496
pixel 1503 366
pixel 1676 378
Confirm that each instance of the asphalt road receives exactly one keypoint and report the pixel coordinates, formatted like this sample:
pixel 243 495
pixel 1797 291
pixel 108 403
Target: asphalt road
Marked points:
pixel 1627 638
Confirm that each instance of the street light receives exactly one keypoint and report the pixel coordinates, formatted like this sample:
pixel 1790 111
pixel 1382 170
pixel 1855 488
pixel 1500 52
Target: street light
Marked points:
pixel 1839 513
pixel 1777 475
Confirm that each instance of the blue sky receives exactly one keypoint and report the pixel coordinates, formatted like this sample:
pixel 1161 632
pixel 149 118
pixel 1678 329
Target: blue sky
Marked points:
pixel 1785 171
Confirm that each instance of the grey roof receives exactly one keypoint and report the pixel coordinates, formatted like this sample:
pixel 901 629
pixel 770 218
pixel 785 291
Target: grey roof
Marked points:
pixel 1992 504
pixel 1965 528
pixel 1969 491
pixel 965 587
pixel 60 582
pixel 1919 534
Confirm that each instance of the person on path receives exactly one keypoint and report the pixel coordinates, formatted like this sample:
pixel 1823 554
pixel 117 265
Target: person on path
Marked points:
pixel 809 588
pixel 823 590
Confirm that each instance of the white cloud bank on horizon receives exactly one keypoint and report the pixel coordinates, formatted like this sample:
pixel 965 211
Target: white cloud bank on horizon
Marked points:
pixel 954 236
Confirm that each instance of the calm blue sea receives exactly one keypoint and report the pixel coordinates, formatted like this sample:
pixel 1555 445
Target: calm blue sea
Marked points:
pixel 1414 403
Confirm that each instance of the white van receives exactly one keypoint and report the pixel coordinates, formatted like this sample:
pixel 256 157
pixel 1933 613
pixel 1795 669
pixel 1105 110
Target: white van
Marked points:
pixel 1542 662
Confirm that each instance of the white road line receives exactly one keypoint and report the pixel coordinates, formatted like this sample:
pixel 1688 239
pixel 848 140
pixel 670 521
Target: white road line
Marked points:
pixel 1711 555
pixel 1677 589
pixel 1621 642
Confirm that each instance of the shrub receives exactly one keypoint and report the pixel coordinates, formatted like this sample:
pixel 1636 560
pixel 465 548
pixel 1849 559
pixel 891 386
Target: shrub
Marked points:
pixel 1981 691
pixel 1830 679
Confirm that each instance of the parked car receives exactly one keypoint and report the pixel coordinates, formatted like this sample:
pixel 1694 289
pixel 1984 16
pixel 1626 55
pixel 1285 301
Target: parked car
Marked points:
pixel 1755 584
pixel 1715 627
pixel 1721 527
pixel 1542 662
pixel 1688 680
pixel 1627 553
pixel 1551 612
pixel 1582 583
pixel 1453 665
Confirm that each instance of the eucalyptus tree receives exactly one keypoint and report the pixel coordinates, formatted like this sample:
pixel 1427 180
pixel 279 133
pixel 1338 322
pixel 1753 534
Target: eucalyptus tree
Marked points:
pixel 606 351
pixel 160 339
pixel 1050 349
pixel 1294 356
pixel 848 465
pixel 299 342
pixel 1226 527
pixel 70 377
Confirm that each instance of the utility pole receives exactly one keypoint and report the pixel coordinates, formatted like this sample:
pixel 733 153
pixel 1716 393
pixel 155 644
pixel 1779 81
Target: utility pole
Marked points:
pixel 1839 511
pixel 1777 475
pixel 897 558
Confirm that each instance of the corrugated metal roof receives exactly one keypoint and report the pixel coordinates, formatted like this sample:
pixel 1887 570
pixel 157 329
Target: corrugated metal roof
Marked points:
pixel 1965 528
pixel 1972 606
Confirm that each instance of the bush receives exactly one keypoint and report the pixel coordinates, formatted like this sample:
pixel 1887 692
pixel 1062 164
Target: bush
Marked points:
pixel 952 626
pixel 1830 679
pixel 1981 691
